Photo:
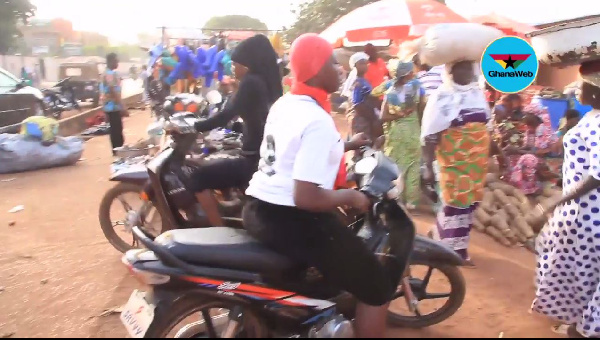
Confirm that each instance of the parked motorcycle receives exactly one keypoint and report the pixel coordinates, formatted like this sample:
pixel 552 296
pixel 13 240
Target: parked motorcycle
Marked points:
pixel 60 98
pixel 241 289
pixel 177 157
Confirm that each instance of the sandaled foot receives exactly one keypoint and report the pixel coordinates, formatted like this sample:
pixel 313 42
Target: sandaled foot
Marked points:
pixel 469 264
pixel 560 329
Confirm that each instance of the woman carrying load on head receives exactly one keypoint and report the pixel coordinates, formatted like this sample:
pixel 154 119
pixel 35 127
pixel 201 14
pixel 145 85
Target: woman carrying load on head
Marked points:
pixel 455 133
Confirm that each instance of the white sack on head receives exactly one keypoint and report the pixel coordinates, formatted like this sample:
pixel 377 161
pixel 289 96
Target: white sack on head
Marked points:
pixel 450 43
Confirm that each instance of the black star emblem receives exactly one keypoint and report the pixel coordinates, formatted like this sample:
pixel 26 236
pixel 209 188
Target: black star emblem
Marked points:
pixel 509 62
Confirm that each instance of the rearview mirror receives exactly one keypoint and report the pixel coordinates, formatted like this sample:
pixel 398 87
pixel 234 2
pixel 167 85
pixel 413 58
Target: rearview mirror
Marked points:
pixel 365 166
pixel 214 97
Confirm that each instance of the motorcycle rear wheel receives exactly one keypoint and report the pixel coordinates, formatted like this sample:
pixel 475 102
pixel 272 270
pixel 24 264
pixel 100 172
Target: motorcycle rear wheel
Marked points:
pixel 455 300
pixel 166 319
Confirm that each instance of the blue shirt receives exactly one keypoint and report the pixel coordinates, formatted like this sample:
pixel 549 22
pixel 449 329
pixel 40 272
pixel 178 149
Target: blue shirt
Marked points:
pixel 362 89
pixel 110 79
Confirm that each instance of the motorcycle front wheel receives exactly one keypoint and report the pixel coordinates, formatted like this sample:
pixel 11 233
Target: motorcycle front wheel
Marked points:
pixel 116 196
pixel 426 282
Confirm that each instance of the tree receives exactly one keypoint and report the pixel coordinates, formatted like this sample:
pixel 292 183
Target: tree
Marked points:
pixel 316 15
pixel 11 12
pixel 234 22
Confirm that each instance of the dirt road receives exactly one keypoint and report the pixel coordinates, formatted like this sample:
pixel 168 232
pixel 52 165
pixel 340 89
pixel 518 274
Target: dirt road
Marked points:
pixel 58 274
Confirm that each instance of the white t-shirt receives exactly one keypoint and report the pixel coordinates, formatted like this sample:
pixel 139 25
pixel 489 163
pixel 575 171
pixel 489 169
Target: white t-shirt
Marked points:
pixel 301 143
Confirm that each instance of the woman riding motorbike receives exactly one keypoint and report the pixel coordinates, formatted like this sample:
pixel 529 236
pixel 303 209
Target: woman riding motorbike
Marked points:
pixel 255 65
pixel 291 193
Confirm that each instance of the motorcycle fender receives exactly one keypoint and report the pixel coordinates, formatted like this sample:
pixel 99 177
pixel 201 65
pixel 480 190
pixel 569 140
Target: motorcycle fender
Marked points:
pixel 128 176
pixel 426 250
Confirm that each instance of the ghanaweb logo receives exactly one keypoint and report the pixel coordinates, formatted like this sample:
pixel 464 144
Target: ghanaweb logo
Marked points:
pixel 509 64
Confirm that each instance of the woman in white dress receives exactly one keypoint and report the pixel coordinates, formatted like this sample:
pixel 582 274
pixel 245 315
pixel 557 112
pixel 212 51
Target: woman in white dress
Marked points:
pixel 568 273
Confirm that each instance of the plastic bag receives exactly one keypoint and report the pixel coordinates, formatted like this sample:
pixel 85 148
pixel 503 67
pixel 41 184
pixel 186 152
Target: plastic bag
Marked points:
pixel 40 128
pixel 449 43
pixel 19 153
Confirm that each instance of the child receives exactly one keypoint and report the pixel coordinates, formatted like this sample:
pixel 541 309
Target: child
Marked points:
pixel 364 116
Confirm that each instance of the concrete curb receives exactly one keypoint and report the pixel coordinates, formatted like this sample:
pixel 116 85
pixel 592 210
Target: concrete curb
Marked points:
pixel 78 123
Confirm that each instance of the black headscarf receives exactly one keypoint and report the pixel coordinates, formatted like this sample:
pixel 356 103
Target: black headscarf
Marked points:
pixel 259 56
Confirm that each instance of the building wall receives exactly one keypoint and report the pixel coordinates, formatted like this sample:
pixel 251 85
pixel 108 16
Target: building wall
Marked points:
pixel 556 77
pixel 13 64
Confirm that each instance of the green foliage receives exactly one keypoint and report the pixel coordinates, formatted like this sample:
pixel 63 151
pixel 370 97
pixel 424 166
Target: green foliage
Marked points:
pixel 11 12
pixel 234 22
pixel 316 15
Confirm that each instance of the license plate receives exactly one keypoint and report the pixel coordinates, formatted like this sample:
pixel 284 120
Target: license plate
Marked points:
pixel 89 88
pixel 137 315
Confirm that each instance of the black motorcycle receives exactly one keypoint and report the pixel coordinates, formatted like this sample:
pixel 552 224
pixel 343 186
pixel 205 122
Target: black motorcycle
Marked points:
pixel 238 288
pixel 185 151
pixel 60 98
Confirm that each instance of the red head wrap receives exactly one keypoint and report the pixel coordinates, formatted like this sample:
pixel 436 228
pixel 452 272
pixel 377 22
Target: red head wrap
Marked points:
pixel 308 55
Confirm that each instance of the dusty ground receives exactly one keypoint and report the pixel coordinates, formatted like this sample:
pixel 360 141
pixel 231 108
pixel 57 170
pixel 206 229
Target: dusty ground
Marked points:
pixel 58 274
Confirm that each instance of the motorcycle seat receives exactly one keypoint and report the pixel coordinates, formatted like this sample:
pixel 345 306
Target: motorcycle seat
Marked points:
pixel 222 247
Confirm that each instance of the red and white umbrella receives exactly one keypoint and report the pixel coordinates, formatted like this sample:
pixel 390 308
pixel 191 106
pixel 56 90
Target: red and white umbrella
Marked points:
pixel 390 19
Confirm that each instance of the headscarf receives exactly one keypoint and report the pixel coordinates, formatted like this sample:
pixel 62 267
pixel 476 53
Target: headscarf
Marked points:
pixel 524 174
pixel 398 68
pixel 399 98
pixel 356 57
pixel 444 105
pixel 544 136
pixel 258 55
pixel 308 55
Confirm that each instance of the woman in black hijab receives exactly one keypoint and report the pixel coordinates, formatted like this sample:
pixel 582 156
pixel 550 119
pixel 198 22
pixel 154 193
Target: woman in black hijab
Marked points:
pixel 255 66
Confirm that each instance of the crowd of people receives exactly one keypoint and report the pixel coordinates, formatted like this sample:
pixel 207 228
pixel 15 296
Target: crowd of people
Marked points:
pixel 448 122
pixel 440 126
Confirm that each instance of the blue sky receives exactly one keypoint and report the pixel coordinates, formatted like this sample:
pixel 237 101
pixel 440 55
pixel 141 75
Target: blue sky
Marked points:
pixel 122 20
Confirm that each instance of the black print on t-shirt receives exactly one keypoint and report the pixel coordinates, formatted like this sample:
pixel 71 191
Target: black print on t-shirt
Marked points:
pixel 267 161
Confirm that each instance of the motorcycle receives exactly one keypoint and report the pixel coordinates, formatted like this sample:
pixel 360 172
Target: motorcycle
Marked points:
pixel 241 289
pixel 59 98
pixel 179 154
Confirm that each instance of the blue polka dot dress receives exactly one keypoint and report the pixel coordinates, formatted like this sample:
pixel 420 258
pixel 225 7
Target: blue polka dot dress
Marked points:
pixel 568 270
